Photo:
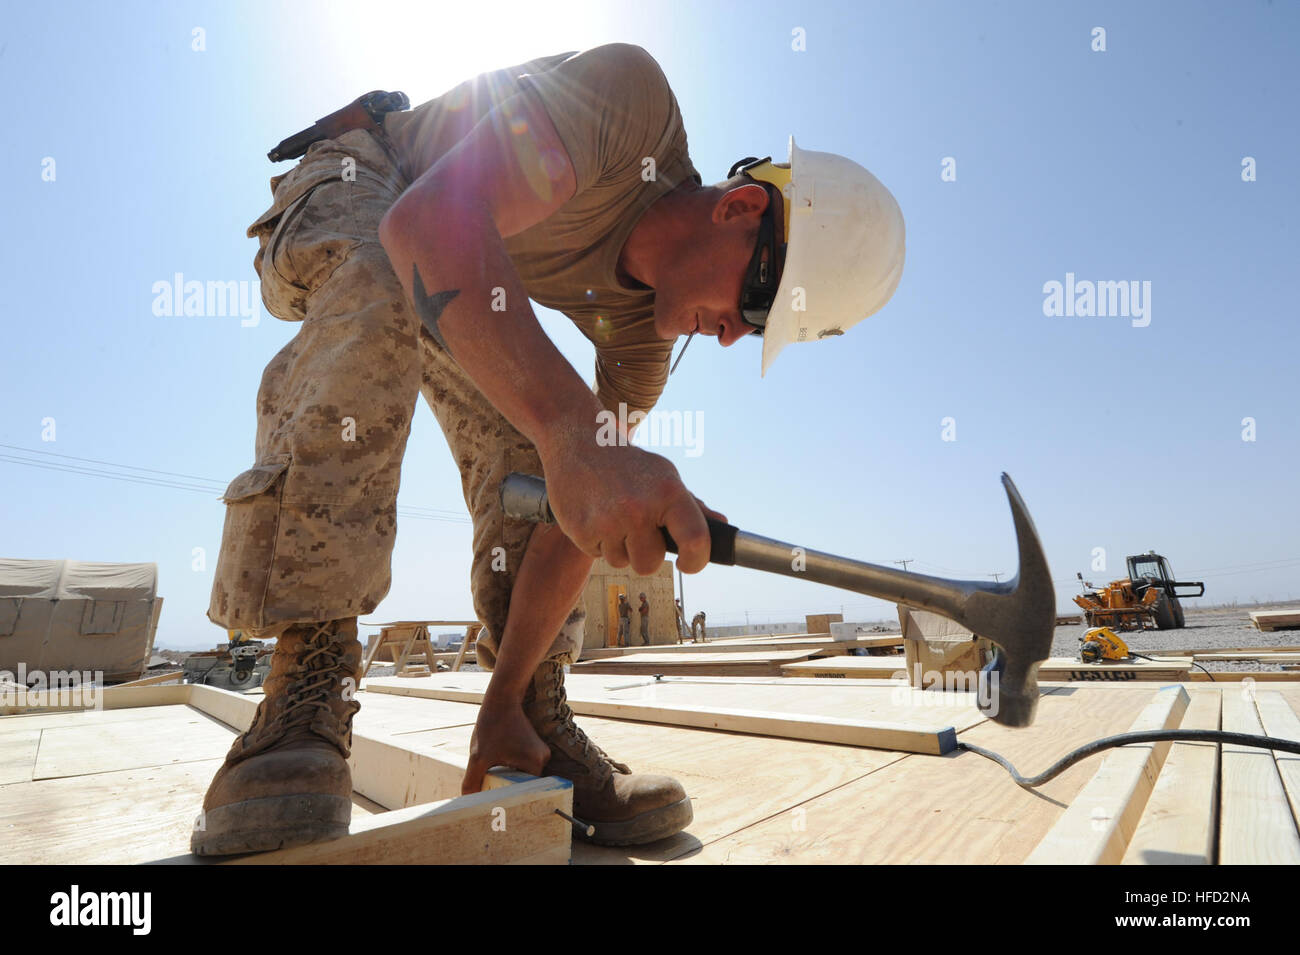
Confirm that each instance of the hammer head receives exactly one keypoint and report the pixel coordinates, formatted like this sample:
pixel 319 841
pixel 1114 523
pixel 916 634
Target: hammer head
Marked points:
pixel 1020 617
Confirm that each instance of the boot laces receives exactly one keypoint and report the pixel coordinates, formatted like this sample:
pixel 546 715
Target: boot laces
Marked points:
pixel 321 666
pixel 310 690
pixel 560 710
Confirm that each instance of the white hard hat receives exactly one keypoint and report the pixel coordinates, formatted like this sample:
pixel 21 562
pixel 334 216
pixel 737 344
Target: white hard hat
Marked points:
pixel 844 249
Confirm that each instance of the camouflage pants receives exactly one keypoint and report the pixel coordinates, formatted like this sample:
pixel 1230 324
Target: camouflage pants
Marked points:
pixel 310 527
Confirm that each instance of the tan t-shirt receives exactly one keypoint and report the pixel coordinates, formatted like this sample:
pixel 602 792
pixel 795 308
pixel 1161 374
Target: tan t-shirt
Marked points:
pixel 619 121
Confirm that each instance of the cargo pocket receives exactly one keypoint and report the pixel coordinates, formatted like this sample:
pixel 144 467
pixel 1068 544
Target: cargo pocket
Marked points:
pixel 257 479
pixel 308 232
pixel 248 550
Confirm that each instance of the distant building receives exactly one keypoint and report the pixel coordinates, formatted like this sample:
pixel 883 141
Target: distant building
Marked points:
pixel 600 600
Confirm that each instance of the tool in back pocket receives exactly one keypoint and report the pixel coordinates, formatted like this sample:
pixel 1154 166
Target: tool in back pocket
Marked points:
pixel 365 112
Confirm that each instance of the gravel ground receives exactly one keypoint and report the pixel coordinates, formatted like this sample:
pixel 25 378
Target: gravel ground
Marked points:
pixel 1226 628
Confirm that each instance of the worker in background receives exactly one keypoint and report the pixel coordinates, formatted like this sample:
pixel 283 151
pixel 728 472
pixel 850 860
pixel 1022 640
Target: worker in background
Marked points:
pixel 624 620
pixel 644 611
pixel 409 248
pixel 697 628
pixel 681 620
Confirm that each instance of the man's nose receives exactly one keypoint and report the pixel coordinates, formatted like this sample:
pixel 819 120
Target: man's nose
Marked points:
pixel 731 329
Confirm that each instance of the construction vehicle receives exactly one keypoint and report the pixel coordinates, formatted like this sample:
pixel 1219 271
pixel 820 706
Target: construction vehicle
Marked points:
pixel 241 664
pixel 1147 599
pixel 1103 643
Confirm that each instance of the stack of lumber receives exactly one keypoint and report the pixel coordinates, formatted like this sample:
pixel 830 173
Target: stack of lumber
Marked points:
pixel 1269 620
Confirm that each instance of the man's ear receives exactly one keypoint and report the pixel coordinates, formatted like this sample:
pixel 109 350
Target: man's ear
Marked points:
pixel 749 199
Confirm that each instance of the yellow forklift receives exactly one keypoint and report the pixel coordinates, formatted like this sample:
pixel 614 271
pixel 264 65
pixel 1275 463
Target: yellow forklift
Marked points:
pixel 1147 600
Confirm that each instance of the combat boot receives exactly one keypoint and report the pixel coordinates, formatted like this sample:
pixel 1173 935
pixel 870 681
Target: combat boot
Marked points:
pixel 286 782
pixel 625 808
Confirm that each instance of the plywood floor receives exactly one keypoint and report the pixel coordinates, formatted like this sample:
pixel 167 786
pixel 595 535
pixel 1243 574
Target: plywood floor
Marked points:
pixel 124 786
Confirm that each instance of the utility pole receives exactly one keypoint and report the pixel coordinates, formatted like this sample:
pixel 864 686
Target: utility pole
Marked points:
pixel 997 578
pixel 905 562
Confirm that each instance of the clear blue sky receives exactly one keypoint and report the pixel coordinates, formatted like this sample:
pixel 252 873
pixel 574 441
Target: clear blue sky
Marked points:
pixel 1115 165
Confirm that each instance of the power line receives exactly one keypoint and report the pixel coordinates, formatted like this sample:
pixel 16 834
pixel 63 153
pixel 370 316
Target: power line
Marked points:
pixel 205 485
pixel 125 467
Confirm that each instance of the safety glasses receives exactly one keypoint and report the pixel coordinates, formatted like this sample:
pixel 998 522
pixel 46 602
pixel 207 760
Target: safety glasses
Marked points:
pixel 763 276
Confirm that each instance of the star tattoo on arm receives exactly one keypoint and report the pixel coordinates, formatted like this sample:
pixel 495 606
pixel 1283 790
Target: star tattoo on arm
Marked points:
pixel 429 307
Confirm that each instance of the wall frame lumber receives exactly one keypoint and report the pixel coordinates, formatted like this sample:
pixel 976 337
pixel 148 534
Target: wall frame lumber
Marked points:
pixel 1255 821
pixel 1280 720
pixel 1179 825
pixel 925 735
pixel 1102 818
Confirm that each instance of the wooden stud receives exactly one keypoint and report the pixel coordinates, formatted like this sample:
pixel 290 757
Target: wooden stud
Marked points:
pixel 1280 720
pixel 1098 824
pixel 1255 822
pixel 923 736
pixel 1179 824
pixel 175 676
pixel 517 825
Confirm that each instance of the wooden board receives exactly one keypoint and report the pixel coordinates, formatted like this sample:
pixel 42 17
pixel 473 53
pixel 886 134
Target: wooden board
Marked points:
pixel 1273 656
pixel 18 755
pixel 113 698
pixel 1255 823
pixel 1197 651
pixel 1171 669
pixel 96 756
pixel 960 809
pixel 887 717
pixel 517 825
pixel 1280 720
pixel 1102 818
pixel 765 637
pixel 386 715
pixel 823 646
pixel 733 780
pixel 821 622
pixel 1270 620
pixel 840 668
pixel 109 747
pixel 117 818
pixel 1180 822
pixel 759 663
pixel 860 699
pixel 1239 676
